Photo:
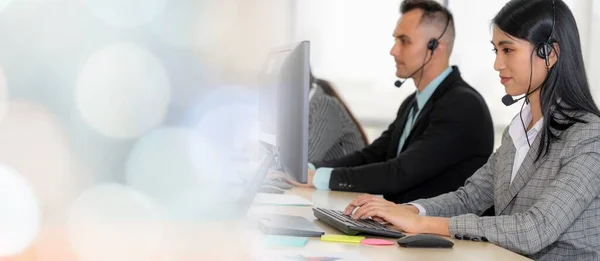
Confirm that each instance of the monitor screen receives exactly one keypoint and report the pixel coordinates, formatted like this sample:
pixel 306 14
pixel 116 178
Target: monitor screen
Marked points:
pixel 267 106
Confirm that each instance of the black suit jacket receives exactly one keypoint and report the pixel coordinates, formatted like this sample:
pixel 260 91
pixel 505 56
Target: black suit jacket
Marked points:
pixel 452 137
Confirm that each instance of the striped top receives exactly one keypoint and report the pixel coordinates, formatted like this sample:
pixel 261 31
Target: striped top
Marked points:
pixel 331 131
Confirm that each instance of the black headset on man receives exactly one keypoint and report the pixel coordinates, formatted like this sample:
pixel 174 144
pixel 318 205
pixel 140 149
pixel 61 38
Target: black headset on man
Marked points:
pixel 431 46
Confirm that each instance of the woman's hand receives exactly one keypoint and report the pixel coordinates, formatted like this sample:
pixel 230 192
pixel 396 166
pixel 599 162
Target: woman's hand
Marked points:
pixel 404 217
pixel 366 198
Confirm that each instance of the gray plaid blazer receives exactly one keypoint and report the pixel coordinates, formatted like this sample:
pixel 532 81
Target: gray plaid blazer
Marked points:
pixel 551 210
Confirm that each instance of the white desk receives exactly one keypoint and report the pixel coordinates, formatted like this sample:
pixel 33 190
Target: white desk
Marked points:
pixel 241 240
pixel 462 250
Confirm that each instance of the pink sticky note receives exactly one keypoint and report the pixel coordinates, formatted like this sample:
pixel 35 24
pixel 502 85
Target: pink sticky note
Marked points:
pixel 376 242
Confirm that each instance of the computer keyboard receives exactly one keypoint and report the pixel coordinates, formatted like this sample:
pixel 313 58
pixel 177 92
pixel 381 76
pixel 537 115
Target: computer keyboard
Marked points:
pixel 349 226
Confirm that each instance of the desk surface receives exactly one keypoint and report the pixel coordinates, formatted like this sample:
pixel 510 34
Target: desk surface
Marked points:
pixel 231 240
pixel 462 250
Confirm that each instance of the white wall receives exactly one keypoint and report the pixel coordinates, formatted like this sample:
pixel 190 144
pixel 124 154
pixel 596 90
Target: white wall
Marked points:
pixel 593 53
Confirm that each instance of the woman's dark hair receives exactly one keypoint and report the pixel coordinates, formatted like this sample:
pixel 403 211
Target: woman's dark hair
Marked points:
pixel 565 94
pixel 330 91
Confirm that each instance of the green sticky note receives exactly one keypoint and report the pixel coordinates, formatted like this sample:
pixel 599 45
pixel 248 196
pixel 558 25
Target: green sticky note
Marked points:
pixel 288 241
pixel 342 238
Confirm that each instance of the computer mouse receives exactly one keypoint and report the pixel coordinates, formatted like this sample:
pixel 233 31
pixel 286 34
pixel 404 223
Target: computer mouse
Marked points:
pixel 425 241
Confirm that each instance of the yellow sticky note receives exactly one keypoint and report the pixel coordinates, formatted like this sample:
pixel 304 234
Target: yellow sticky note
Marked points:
pixel 342 238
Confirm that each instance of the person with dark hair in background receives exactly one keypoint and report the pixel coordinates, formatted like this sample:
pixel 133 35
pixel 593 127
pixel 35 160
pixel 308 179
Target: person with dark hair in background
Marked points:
pixel 544 180
pixel 442 133
pixel 332 129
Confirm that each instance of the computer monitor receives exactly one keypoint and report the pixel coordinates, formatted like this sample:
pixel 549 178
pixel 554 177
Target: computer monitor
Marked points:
pixel 283 107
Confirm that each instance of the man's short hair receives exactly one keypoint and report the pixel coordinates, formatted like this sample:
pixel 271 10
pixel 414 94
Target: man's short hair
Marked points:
pixel 433 13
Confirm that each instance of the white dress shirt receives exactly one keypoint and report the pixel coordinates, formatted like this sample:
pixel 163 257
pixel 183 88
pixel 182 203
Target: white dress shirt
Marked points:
pixel 517 134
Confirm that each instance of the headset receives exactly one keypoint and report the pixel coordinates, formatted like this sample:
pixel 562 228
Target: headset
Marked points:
pixel 543 51
pixel 434 42
pixel 545 48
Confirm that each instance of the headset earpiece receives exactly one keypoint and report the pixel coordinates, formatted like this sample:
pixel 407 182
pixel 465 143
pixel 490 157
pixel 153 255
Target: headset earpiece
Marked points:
pixel 432 44
pixel 544 50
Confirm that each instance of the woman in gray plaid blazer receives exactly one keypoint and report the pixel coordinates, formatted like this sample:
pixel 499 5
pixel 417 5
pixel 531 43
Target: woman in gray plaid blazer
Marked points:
pixel 544 180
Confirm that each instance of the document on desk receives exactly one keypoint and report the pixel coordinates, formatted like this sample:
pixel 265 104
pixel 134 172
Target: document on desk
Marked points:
pixel 280 200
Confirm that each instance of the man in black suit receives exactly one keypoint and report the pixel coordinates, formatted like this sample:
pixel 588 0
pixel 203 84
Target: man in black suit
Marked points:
pixel 442 133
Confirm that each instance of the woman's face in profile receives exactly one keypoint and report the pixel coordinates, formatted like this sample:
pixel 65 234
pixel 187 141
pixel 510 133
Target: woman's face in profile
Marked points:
pixel 516 62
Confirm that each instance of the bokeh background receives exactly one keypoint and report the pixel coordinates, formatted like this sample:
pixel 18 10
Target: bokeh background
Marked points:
pixel 120 116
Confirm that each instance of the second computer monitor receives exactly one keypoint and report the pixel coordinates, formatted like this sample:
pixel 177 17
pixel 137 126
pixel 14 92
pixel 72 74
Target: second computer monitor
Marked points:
pixel 283 107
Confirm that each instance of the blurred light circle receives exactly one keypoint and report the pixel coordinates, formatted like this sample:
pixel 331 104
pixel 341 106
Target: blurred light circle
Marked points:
pixel 197 23
pixel 221 137
pixel 221 147
pixel 114 222
pixel 3 94
pixel 33 142
pixel 4 4
pixel 227 116
pixel 160 165
pixel 126 13
pixel 19 212
pixel 176 26
pixel 223 14
pixel 123 91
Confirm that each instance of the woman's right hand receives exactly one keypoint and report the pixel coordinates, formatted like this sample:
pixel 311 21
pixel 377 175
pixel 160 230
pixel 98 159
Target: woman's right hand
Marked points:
pixel 404 217
pixel 374 200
